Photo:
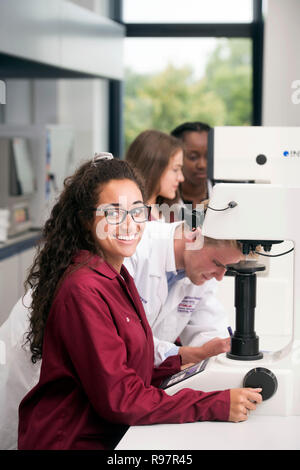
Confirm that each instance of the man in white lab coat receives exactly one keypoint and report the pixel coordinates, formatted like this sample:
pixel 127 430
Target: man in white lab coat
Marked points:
pixel 177 284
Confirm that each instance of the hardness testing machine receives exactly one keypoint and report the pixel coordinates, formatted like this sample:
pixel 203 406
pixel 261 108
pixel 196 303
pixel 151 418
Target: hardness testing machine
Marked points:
pixel 254 201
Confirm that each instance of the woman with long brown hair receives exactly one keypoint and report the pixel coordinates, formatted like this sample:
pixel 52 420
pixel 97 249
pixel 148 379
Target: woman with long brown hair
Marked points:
pixel 158 157
pixel 89 327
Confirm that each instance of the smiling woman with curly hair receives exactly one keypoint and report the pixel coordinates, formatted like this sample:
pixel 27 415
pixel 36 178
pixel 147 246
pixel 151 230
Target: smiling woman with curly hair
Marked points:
pixel 66 232
pixel 89 327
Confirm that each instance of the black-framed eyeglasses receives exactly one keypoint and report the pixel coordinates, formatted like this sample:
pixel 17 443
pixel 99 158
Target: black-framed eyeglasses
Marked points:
pixel 116 215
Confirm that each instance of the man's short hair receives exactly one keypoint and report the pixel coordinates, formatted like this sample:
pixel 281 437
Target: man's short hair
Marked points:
pixel 230 243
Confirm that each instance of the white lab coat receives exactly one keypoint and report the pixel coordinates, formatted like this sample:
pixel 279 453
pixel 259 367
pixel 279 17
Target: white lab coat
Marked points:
pixel 18 374
pixel 189 311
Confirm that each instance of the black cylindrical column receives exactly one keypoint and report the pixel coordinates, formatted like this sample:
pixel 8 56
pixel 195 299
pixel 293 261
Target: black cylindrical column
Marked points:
pixel 245 342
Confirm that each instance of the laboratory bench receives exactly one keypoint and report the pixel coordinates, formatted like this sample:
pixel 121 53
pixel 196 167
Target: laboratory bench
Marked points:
pixel 257 433
pixel 19 243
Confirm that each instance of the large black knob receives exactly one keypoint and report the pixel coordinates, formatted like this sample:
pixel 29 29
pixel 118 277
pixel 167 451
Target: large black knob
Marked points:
pixel 260 377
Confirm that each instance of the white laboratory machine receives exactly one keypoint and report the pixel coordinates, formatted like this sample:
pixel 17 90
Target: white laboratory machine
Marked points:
pixel 257 214
pixel 255 154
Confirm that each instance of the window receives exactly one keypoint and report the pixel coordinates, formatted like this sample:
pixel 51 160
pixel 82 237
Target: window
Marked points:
pixel 188 11
pixel 172 80
pixel 192 60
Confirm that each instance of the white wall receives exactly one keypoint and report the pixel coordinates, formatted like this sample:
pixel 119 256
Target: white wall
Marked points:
pixel 19 106
pixel 83 105
pixel 281 63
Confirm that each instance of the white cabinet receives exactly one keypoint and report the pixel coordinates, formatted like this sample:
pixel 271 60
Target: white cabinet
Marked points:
pixel 9 283
pixel 13 272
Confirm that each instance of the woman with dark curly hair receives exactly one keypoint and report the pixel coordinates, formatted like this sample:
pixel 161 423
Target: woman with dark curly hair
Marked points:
pixel 89 327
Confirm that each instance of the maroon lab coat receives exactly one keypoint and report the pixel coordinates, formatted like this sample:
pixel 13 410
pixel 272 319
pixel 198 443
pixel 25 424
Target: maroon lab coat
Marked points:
pixel 97 371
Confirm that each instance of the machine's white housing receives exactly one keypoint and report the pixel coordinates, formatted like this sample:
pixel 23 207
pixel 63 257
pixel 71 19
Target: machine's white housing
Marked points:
pixel 263 212
pixel 222 373
pixel 233 152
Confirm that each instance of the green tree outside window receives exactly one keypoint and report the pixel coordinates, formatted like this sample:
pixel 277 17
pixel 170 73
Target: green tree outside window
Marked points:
pixel 165 99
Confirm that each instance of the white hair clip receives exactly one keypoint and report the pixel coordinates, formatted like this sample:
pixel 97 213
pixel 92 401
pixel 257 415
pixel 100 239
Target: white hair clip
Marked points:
pixel 102 156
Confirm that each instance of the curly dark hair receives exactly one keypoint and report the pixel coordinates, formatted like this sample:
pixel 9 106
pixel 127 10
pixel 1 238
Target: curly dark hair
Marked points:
pixel 64 234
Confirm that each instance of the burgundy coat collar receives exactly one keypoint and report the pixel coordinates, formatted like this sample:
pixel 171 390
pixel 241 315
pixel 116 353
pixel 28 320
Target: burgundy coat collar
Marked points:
pixel 95 262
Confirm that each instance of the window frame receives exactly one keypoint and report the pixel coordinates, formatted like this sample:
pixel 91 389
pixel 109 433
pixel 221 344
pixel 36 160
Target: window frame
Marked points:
pixel 254 31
